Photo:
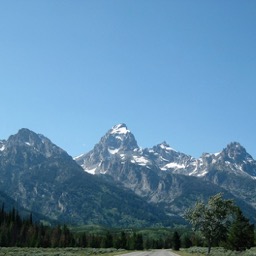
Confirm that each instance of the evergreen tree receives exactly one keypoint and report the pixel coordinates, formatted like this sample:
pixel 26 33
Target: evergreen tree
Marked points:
pixel 95 242
pixel 168 242
pixel 186 241
pixel 55 237
pixel 15 231
pixel 148 244
pixel 108 241
pixel 241 233
pixel 138 242
pixel 131 242
pixel 121 242
pixel 176 241
pixel 83 240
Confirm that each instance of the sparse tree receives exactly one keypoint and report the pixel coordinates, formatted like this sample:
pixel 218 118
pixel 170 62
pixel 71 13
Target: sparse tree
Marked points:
pixel 211 218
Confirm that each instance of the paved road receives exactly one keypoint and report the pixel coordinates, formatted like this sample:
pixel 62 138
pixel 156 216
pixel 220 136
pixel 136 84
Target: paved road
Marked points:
pixel 151 253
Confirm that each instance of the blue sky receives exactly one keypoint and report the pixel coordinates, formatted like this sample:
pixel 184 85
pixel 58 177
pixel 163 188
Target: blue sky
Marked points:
pixel 179 71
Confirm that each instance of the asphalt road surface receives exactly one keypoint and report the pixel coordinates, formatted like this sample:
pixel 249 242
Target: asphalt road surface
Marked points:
pixel 151 253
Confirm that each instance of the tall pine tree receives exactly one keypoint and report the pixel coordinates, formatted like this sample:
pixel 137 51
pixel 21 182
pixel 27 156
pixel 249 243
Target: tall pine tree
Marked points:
pixel 176 241
pixel 241 233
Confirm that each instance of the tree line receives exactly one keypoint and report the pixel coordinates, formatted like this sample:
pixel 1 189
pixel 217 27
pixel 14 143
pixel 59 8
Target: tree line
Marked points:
pixel 24 232
pixel 16 231
pixel 215 223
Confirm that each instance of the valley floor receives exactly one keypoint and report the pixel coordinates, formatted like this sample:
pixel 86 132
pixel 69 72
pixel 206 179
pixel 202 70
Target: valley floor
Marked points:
pixel 152 253
pixel 194 251
pixel 72 251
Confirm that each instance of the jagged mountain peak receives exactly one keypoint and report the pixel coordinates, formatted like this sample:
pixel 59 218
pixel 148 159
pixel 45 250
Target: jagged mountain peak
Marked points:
pixel 24 133
pixel 117 143
pixel 26 136
pixel 120 129
pixel 58 187
pixel 119 138
pixel 165 146
pixel 235 152
pixel 235 146
pixel 32 142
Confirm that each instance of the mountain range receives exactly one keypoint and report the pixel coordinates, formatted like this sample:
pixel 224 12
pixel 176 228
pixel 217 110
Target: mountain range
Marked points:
pixel 163 176
pixel 118 183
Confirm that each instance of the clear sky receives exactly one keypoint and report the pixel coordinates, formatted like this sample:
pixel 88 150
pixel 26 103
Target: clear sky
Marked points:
pixel 179 71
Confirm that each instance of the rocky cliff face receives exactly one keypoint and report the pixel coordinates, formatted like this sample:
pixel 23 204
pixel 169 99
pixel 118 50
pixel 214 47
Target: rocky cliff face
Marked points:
pixel 118 142
pixel 131 186
pixel 170 178
pixel 43 178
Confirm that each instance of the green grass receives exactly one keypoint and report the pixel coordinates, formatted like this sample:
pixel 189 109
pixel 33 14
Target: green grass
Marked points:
pixel 193 251
pixel 15 251
pixel 202 251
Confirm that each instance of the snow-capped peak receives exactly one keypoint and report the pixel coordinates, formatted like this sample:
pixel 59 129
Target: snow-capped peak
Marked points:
pixel 166 147
pixel 120 129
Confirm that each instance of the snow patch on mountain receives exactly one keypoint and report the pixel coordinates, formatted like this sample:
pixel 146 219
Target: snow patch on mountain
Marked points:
pixel 140 160
pixel 91 171
pixel 166 147
pixel 202 173
pixel 77 157
pixel 198 168
pixel 120 129
pixel 113 151
pixel 163 159
pixel 173 166
pixel 119 146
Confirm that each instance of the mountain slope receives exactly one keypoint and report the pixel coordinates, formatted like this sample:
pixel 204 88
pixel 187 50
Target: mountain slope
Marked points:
pixel 44 178
pixel 170 178
pixel 9 204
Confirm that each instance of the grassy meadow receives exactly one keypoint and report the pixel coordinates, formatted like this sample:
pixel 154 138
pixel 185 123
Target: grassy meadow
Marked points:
pixel 216 251
pixel 16 251
pixel 193 251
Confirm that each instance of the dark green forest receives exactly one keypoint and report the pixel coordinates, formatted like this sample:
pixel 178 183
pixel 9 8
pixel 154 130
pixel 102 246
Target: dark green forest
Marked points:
pixel 24 232
pixel 17 231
